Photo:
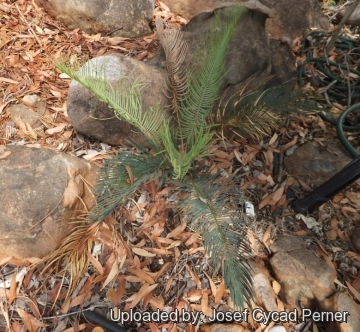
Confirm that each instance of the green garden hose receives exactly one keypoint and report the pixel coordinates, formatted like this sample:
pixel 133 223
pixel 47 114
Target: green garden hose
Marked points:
pixel 339 91
pixel 340 130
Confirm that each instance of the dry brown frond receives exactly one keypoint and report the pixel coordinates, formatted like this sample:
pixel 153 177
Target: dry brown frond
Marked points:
pixel 246 114
pixel 69 260
pixel 175 49
pixel 258 124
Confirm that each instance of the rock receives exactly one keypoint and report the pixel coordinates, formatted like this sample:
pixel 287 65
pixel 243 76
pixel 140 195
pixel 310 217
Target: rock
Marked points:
pixel 286 22
pixel 355 238
pixel 247 61
pixel 29 111
pixel 295 18
pixel 315 164
pixel 341 302
pixel 218 327
pixel 94 118
pixel 42 191
pixel 302 275
pixel 264 293
pixel 115 18
pixel 277 328
pixel 189 9
pixel 282 63
pixel 353 20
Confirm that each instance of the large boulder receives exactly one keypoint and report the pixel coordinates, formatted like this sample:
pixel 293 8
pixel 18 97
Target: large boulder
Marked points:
pixel 188 8
pixel 248 59
pixel 93 117
pixel 354 19
pixel 283 67
pixel 295 18
pixel 292 17
pixel 116 18
pixel 342 302
pixel 42 193
pixel 314 163
pixel 302 275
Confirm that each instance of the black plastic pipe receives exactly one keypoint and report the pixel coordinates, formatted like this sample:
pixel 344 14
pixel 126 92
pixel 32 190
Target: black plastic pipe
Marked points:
pixel 330 188
pixel 107 324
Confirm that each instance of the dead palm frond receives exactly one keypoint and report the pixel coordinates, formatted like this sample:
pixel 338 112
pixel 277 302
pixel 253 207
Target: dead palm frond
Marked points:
pixel 69 262
pixel 251 120
pixel 256 113
pixel 175 49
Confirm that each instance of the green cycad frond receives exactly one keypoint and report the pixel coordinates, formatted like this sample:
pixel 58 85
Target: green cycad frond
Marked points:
pixel 181 160
pixel 112 186
pixel 204 83
pixel 124 98
pixel 212 207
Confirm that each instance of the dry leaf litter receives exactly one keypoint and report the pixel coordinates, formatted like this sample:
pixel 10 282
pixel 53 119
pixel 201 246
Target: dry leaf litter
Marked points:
pixel 164 265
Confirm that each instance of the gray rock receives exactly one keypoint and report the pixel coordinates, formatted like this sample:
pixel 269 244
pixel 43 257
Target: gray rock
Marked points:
pixel 341 302
pixel 277 328
pixel 355 238
pixel 282 63
pixel 302 275
pixel 353 20
pixel 291 23
pixel 103 16
pixel 315 164
pixel 265 295
pixel 94 118
pixel 42 191
pixel 247 61
pixel 22 114
pixel 286 22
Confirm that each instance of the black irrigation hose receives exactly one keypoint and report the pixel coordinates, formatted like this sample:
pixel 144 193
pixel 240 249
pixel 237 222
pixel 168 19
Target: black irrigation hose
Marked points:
pixel 330 188
pixel 340 180
pixel 107 324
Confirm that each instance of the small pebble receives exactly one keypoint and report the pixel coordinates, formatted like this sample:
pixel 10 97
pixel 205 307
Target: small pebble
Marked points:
pixel 277 328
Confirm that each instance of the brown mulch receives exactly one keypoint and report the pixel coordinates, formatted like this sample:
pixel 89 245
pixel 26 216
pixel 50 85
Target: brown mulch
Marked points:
pixel 164 265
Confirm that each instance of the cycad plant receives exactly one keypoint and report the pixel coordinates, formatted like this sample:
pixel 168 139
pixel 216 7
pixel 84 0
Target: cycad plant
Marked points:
pixel 211 203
